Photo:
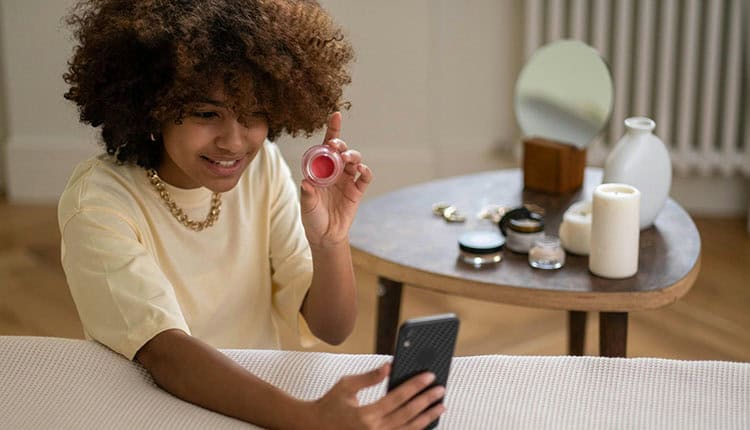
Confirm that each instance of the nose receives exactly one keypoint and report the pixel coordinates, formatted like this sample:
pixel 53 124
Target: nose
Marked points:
pixel 233 137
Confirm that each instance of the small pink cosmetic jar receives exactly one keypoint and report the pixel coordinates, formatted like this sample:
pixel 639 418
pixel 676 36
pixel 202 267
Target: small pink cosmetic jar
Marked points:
pixel 322 165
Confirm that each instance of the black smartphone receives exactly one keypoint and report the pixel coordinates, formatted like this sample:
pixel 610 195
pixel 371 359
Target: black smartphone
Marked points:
pixel 424 344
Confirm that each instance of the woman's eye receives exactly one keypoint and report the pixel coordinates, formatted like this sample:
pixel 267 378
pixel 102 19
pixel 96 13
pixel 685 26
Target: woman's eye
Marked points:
pixel 205 114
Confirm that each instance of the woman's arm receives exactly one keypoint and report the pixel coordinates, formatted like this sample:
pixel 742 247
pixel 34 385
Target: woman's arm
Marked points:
pixel 330 307
pixel 202 375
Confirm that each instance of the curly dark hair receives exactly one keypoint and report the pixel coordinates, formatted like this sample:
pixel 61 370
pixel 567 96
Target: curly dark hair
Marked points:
pixel 139 63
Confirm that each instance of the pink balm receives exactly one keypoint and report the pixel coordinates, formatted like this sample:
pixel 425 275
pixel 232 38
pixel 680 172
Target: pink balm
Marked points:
pixel 322 165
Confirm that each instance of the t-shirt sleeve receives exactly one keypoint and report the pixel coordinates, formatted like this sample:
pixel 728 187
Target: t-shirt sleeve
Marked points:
pixel 291 259
pixel 122 296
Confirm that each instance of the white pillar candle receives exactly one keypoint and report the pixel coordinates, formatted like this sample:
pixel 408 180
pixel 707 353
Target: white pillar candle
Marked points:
pixel 575 229
pixel 615 231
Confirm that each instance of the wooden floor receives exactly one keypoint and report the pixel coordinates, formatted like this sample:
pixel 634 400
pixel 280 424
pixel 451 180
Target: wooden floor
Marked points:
pixel 711 322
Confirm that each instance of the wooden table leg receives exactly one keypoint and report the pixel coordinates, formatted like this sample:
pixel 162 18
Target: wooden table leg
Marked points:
pixel 613 334
pixel 576 332
pixel 389 307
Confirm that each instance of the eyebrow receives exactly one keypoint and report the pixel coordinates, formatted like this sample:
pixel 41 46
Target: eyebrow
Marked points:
pixel 211 102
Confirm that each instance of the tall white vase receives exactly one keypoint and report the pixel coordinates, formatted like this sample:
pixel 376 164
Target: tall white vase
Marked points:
pixel 640 159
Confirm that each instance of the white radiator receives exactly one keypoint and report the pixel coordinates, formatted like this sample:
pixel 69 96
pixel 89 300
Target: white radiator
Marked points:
pixel 683 63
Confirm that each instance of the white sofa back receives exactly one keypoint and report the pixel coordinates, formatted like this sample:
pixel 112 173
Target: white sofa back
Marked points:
pixel 74 384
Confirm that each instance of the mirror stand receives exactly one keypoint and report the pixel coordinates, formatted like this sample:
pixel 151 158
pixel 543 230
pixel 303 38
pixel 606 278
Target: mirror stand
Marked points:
pixel 563 100
pixel 551 166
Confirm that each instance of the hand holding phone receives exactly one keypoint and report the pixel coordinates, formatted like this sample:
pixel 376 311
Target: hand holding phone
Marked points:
pixel 425 345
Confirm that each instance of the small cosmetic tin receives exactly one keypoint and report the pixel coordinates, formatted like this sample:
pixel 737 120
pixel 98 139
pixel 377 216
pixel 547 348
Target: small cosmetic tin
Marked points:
pixel 481 248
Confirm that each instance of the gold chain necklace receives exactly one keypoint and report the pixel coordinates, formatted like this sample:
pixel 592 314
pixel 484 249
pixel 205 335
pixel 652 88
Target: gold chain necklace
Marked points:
pixel 213 213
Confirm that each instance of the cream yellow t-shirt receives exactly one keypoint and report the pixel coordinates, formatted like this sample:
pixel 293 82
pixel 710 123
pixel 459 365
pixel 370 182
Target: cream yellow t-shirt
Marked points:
pixel 135 271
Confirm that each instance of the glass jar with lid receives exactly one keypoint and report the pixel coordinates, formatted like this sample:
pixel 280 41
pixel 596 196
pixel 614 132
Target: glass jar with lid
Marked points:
pixel 521 233
pixel 547 253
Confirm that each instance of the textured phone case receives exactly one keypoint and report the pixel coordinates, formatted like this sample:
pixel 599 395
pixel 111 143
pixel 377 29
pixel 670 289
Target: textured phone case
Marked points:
pixel 424 344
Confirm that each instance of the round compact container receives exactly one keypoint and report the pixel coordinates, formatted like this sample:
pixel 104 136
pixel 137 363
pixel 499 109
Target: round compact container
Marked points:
pixel 521 233
pixel 322 165
pixel 481 248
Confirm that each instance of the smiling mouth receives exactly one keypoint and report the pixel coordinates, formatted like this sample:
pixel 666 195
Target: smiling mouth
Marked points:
pixel 222 163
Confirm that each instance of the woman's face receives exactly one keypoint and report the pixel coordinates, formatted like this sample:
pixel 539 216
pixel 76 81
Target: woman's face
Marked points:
pixel 210 148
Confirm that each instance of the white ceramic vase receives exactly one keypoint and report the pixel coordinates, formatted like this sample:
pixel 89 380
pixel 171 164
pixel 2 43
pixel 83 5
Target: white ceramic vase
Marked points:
pixel 640 159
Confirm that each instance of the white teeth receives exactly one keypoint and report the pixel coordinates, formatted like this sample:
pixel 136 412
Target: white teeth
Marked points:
pixel 229 163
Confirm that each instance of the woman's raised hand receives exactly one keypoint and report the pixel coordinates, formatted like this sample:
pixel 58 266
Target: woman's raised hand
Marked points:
pixel 327 213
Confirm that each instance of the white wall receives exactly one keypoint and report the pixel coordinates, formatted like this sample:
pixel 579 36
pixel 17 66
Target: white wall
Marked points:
pixel 432 97
pixel 432 87
pixel 44 139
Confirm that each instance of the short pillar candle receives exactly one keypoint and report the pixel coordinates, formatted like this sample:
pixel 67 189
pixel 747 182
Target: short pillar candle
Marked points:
pixel 615 231
pixel 575 229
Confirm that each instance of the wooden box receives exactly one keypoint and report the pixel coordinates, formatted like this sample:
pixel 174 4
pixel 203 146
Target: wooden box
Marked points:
pixel 552 167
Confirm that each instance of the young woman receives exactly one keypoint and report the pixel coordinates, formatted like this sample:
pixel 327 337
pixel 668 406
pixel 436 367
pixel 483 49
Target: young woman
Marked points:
pixel 188 235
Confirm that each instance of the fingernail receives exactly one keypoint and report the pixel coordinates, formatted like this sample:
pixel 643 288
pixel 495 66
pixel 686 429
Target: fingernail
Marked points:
pixel 429 378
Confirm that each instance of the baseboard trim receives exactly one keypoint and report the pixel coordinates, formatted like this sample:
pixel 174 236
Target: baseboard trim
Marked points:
pixel 712 196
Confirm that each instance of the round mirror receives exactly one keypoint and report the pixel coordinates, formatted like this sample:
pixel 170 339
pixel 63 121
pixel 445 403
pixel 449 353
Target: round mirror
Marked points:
pixel 564 93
